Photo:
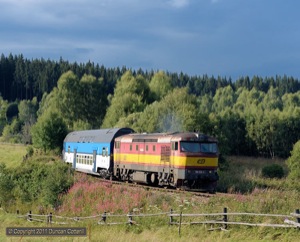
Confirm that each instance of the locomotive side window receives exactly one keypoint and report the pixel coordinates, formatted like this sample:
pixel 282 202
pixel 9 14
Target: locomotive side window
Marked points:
pixel 174 145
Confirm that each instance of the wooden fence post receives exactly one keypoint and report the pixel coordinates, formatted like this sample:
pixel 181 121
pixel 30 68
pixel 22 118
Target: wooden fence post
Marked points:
pixel 297 211
pixel 29 216
pixel 129 218
pixel 180 219
pixel 104 217
pixel 49 218
pixel 171 217
pixel 225 218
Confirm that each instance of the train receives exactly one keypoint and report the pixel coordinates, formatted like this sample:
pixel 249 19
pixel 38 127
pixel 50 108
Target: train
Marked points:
pixel 181 160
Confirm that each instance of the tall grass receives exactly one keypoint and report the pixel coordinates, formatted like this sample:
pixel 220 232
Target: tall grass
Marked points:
pixel 248 192
pixel 89 196
pixel 12 154
pixel 244 174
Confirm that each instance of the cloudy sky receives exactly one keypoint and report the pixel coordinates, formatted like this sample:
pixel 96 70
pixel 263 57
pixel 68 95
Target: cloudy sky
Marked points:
pixel 229 38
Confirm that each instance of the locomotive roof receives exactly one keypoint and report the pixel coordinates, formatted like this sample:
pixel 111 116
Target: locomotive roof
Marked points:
pixel 96 135
pixel 166 137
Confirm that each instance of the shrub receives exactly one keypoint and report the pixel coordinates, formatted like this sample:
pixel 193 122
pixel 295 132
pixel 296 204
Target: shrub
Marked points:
pixel 273 171
pixel 6 186
pixel 42 182
pixel 223 163
pixel 30 151
pixel 293 163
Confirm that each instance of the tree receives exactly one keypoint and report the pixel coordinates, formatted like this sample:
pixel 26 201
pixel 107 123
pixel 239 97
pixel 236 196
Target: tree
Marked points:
pixel 28 110
pixel 6 186
pixel 12 111
pixel 27 116
pixel 131 95
pixel 93 102
pixel 175 112
pixel 12 132
pixel 223 99
pixel 59 178
pixel 160 85
pixel 49 132
pixel 272 100
pixel 68 97
pixel 263 131
pixel 3 107
pixel 293 163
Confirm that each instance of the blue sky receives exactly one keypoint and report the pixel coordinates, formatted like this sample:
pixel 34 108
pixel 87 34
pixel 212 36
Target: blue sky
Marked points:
pixel 229 38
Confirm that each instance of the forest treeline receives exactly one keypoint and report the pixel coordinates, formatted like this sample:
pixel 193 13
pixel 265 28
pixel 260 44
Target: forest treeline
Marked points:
pixel 21 78
pixel 42 100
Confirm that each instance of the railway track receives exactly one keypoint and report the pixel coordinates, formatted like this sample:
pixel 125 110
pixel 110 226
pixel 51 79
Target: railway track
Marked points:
pixel 152 188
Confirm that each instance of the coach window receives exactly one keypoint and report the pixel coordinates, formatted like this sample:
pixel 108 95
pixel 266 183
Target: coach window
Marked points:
pixel 69 149
pixel 153 148
pixel 137 147
pixel 146 147
pixel 130 148
pixel 103 151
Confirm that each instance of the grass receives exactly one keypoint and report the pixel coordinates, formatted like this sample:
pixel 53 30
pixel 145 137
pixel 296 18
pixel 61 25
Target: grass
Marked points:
pixel 249 192
pixel 12 154
pixel 244 175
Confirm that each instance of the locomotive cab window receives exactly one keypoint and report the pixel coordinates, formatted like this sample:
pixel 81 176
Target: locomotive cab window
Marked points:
pixel 196 147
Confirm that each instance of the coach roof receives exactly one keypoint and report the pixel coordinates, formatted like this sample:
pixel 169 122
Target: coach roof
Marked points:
pixel 96 135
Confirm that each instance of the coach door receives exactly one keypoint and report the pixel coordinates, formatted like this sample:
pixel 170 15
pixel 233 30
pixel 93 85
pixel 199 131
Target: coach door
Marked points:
pixel 104 158
pixel 94 159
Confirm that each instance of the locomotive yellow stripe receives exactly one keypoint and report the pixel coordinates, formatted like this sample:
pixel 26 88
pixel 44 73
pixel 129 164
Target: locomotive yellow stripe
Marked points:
pixel 177 161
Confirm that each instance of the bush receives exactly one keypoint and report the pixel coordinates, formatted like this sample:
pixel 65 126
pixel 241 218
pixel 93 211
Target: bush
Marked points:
pixel 293 163
pixel 30 151
pixel 41 182
pixel 273 171
pixel 223 163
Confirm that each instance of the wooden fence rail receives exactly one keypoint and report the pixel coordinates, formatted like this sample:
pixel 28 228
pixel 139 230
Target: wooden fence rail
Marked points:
pixel 174 218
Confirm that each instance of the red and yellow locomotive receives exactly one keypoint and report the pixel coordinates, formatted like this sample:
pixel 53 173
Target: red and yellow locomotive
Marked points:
pixel 187 161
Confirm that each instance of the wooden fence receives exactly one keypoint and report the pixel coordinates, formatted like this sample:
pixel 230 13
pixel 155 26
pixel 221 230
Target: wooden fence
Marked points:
pixel 174 218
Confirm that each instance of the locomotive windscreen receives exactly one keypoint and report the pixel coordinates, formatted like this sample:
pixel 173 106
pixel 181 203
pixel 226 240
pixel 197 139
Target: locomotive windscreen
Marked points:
pixel 196 147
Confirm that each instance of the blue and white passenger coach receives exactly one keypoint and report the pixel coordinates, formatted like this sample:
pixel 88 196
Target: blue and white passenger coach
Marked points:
pixel 91 151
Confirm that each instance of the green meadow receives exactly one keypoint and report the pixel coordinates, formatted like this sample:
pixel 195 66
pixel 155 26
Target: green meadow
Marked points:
pixel 247 191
